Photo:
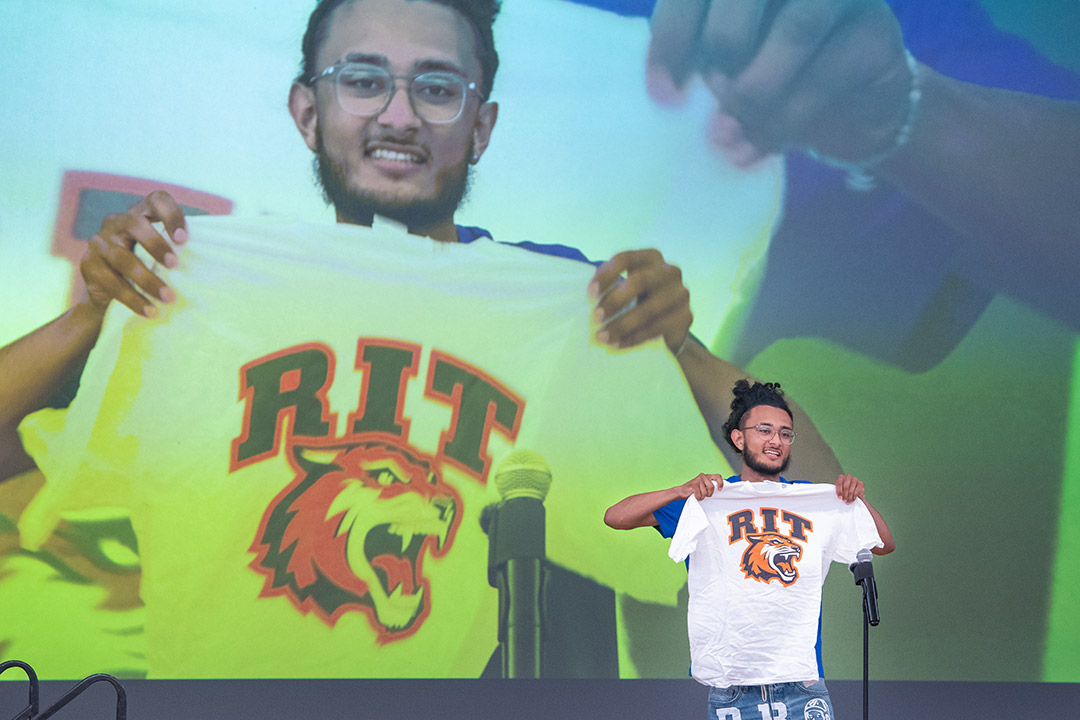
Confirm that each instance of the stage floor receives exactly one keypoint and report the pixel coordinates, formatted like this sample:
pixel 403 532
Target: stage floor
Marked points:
pixel 517 700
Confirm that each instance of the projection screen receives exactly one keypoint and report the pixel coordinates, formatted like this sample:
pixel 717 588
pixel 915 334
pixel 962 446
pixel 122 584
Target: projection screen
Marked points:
pixel 172 531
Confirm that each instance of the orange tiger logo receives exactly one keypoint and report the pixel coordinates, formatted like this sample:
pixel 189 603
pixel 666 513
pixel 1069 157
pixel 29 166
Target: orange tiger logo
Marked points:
pixel 771 555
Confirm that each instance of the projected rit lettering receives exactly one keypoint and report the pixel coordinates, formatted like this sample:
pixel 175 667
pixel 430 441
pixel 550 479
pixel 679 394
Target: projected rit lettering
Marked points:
pixel 742 523
pixel 293 384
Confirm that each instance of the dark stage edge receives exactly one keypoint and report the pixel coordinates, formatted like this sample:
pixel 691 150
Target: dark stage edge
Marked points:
pixel 522 699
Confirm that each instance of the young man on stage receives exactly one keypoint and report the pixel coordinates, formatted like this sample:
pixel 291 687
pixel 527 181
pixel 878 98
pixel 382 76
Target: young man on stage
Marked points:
pixel 759 546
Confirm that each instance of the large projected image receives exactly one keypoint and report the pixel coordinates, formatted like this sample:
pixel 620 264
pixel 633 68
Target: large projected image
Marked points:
pixel 290 466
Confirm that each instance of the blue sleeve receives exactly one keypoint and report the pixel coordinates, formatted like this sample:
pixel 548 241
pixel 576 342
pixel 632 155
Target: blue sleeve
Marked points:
pixel 955 37
pixel 667 517
pixel 959 39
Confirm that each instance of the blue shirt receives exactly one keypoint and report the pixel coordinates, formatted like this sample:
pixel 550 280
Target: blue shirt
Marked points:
pixel 468 234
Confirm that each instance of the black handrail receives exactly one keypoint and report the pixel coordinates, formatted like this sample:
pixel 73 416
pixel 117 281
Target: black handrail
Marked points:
pixel 121 696
pixel 32 706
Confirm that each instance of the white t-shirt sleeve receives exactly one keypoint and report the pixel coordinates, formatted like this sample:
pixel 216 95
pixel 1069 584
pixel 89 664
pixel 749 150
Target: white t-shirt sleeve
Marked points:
pixel 692 522
pixel 858 534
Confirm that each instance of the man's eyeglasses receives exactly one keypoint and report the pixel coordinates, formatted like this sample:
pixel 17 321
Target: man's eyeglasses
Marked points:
pixel 765 432
pixel 365 89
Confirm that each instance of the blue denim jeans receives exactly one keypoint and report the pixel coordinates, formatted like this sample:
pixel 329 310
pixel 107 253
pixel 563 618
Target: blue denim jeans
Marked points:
pixel 781 701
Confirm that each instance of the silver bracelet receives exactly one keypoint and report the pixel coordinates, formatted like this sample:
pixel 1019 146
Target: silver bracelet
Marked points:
pixel 859 174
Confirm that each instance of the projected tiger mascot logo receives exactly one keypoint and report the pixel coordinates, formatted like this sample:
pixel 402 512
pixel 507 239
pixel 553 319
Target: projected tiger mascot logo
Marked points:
pixel 769 556
pixel 351 532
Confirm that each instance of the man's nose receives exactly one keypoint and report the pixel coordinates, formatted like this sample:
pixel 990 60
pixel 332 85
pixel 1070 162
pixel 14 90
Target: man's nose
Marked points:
pixel 399 111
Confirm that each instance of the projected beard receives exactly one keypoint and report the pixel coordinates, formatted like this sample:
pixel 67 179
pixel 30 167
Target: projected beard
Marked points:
pixel 359 207
pixel 757 463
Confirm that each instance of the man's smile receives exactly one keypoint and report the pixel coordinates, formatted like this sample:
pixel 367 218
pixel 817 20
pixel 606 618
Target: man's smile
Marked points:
pixel 393 155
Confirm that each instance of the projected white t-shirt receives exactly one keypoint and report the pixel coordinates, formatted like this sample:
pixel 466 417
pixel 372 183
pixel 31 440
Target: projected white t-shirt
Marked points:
pixel 304 442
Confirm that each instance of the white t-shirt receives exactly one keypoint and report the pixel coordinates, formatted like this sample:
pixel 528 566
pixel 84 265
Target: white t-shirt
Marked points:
pixel 759 554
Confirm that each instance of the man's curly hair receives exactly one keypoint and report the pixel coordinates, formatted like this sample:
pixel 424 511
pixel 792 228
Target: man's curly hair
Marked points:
pixel 749 396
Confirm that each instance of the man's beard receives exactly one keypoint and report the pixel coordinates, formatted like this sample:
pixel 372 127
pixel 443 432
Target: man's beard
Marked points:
pixel 753 461
pixel 359 207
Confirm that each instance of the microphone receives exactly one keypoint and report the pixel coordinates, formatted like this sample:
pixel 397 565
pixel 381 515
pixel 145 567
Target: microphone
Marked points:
pixel 516 556
pixel 863 570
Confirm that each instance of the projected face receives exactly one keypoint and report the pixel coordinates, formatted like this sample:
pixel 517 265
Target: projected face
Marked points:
pixel 395 163
pixel 764 453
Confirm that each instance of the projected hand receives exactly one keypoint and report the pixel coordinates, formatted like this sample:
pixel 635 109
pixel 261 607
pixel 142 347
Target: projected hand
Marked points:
pixel 849 487
pixel 640 296
pixel 826 74
pixel 110 267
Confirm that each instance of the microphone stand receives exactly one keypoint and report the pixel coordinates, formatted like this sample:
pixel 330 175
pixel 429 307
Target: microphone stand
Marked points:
pixel 865 661
pixel 864 577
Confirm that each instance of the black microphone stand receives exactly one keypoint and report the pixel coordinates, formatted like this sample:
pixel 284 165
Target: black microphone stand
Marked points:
pixel 865 661
pixel 864 577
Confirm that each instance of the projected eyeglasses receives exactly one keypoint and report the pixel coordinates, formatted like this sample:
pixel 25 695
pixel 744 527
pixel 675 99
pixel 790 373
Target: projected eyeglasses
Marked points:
pixel 366 90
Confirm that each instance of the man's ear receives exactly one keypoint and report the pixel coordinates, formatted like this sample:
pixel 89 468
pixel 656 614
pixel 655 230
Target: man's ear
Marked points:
pixel 486 116
pixel 738 438
pixel 302 108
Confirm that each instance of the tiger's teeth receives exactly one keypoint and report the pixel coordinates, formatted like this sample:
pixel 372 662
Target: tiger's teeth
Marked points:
pixel 406 540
